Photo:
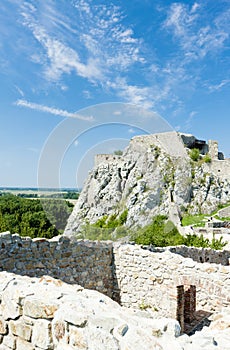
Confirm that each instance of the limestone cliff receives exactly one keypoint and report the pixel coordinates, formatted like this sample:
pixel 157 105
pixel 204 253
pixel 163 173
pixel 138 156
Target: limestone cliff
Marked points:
pixel 155 175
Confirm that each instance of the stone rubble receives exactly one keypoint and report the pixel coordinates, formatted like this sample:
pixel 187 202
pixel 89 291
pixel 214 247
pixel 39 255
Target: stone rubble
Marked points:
pixel 49 314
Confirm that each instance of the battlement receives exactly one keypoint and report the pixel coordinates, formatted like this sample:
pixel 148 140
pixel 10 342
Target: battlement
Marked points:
pixel 106 158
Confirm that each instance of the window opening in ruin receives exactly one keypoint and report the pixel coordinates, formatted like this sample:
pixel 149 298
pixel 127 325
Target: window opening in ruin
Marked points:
pixel 186 305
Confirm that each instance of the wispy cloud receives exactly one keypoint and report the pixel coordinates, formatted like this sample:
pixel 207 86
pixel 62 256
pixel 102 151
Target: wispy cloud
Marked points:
pixel 94 42
pixel 196 40
pixel 51 110
pixel 19 91
pixel 188 123
pixel 103 53
pixel 217 87
pixel 131 131
pixel 98 52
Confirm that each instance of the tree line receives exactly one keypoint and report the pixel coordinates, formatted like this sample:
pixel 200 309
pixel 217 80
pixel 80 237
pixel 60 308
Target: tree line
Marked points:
pixel 33 217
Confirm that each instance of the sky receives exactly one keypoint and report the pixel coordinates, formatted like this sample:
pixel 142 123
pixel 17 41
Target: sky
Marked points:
pixel 70 70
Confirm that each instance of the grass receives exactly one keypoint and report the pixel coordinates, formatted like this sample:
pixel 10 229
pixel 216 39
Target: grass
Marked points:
pixel 194 220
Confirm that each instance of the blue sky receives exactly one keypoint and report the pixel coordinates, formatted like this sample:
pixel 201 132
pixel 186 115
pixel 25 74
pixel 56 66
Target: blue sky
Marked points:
pixel 59 57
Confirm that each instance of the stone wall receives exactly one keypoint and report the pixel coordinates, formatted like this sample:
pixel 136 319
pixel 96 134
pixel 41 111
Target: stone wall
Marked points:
pixel 106 158
pixel 176 282
pixel 202 255
pixel 48 314
pixel 151 279
pixel 89 264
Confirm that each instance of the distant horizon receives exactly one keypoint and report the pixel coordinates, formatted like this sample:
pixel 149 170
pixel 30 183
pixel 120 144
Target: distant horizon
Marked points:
pixel 39 188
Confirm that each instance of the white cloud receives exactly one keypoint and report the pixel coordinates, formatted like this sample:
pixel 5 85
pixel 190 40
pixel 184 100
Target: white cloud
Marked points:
pixel 196 41
pixel 132 93
pixel 219 86
pixel 103 54
pixel 188 122
pixel 19 91
pixel 51 110
pixel 95 43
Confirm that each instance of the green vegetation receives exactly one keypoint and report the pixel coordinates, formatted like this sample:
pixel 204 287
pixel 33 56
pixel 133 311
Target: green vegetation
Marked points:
pixel 195 220
pixel 29 217
pixel 159 233
pixel 201 242
pixel 113 221
pixel 207 158
pixel 194 154
pixel 162 233
pixel 102 234
pixel 106 228
pixel 118 152
pixel 45 193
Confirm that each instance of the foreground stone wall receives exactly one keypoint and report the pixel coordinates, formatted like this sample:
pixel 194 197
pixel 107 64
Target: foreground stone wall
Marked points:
pixel 151 280
pixel 48 314
pixel 170 282
pixel 89 264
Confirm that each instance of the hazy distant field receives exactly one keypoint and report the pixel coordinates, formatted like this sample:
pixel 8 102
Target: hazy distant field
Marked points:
pixel 68 193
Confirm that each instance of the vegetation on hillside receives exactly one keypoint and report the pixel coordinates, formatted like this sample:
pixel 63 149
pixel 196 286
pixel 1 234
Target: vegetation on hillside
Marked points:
pixel 162 232
pixel 194 154
pixel 159 233
pixel 34 218
pixel 106 228
pixel 195 220
pixel 47 218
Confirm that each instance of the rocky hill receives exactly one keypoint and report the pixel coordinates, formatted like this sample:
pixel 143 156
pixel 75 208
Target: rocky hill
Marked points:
pixel 154 175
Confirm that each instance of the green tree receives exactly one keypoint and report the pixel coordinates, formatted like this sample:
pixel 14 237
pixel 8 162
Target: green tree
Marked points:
pixel 118 152
pixel 195 154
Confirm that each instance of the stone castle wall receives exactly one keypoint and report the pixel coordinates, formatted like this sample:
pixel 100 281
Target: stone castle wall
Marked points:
pixel 164 281
pixel 89 264
pixel 106 158
pixel 158 281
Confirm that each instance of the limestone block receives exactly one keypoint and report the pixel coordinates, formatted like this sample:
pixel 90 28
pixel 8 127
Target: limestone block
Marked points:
pixel 78 338
pixel 59 330
pixel 10 305
pixel 41 336
pixel 19 328
pixel 63 346
pixel 98 339
pixel 37 308
pixel 3 326
pixel 23 345
pixel 105 320
pixel 9 341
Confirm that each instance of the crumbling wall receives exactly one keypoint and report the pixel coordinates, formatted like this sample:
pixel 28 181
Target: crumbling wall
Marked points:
pixel 88 263
pixel 150 279
pixel 136 277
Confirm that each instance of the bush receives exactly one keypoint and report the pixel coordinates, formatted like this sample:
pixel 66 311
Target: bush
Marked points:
pixel 118 152
pixel 195 154
pixel 159 233
pixel 106 228
pixel 207 158
pixel 162 233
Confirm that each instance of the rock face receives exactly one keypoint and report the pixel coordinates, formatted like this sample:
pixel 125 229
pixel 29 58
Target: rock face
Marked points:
pixel 49 314
pixel 154 175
